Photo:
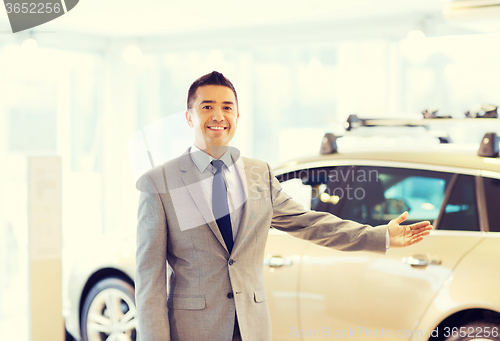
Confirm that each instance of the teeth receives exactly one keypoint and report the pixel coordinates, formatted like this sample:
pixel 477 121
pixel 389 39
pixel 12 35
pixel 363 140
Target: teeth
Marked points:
pixel 217 128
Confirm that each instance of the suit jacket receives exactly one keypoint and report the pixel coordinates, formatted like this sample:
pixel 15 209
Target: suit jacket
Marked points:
pixel 207 285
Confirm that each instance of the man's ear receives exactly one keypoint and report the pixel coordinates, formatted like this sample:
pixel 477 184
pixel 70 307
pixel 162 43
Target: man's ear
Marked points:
pixel 189 118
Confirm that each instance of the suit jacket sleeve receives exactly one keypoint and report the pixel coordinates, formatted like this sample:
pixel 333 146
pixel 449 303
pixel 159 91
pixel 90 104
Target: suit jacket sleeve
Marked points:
pixel 323 228
pixel 151 265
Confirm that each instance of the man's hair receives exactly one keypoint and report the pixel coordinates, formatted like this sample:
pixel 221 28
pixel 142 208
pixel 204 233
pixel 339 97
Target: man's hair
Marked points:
pixel 213 78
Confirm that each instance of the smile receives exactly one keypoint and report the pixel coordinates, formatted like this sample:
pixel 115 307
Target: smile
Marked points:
pixel 217 128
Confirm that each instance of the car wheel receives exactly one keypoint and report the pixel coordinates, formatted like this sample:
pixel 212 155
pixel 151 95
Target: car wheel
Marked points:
pixel 479 330
pixel 109 312
pixel 68 336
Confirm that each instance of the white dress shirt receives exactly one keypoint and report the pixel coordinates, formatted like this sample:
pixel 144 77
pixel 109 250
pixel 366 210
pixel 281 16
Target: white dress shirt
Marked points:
pixel 235 192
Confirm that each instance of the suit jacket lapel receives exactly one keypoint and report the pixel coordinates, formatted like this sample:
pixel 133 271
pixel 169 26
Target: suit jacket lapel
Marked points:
pixel 245 177
pixel 193 182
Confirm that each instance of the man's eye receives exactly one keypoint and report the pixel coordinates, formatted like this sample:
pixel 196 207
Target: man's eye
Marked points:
pixel 228 108
pixel 207 107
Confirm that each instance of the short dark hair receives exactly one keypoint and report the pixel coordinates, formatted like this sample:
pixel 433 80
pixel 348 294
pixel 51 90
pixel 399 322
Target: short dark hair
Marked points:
pixel 213 78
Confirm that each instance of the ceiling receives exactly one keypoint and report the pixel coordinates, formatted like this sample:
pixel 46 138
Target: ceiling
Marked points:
pixel 126 18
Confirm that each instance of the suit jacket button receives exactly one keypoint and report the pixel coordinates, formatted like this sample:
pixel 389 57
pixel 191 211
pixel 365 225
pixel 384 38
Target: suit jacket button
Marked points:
pixel 231 262
pixel 230 295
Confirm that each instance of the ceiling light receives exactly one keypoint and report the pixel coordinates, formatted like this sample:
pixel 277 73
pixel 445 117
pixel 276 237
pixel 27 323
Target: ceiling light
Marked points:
pixel 132 54
pixel 415 35
pixel 29 44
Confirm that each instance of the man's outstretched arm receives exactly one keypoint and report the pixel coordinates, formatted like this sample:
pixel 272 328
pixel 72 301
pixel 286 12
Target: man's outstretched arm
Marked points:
pixel 328 230
pixel 323 228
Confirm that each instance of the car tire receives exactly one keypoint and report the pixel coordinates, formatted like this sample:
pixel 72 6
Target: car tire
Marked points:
pixel 477 330
pixel 109 310
pixel 68 336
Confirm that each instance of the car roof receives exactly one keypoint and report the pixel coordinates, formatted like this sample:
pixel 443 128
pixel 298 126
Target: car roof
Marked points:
pixel 445 159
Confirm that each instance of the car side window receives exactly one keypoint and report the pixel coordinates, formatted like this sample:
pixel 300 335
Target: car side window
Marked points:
pixel 313 187
pixel 492 193
pixel 460 212
pixel 380 194
pixel 298 191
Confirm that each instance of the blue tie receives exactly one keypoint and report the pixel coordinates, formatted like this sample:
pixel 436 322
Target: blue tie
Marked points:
pixel 220 207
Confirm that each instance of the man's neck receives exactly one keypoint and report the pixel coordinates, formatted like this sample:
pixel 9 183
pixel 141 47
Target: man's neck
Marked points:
pixel 214 151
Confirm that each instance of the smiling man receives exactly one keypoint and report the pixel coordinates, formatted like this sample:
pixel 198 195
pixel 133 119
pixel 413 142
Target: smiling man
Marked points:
pixel 213 113
pixel 207 214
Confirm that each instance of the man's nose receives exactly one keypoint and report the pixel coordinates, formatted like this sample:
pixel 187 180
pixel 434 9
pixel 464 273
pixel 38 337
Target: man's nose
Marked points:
pixel 218 115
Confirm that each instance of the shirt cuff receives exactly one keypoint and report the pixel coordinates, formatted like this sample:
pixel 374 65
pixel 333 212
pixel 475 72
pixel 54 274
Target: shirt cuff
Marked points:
pixel 387 240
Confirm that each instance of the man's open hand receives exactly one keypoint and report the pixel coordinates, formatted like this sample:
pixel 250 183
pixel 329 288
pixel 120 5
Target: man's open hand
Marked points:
pixel 406 235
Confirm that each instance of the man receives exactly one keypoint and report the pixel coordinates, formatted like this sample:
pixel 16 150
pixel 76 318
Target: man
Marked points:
pixel 208 214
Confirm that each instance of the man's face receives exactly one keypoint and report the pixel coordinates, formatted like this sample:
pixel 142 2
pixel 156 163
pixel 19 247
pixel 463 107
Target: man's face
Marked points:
pixel 214 116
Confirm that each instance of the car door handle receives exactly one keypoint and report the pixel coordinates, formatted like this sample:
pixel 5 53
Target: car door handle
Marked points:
pixel 420 262
pixel 277 262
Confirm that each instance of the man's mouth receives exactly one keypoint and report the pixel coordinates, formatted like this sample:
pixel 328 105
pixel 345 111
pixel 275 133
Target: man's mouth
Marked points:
pixel 218 128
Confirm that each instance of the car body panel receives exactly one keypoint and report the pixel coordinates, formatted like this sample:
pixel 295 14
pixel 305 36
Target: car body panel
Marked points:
pixel 344 291
pixel 474 285
pixel 477 277
pixel 282 281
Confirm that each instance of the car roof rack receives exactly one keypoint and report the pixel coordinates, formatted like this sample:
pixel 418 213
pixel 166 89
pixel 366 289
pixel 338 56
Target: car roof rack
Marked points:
pixel 489 145
pixel 353 121
pixel 329 144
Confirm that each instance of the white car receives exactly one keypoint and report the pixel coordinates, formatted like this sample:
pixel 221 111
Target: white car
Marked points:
pixel 446 287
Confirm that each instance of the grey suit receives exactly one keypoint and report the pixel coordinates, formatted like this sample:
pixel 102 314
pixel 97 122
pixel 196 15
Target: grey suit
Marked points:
pixel 208 285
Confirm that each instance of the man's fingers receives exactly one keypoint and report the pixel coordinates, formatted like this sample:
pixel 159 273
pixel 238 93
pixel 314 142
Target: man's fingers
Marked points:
pixel 421 229
pixel 420 224
pixel 422 234
pixel 418 237
pixel 402 217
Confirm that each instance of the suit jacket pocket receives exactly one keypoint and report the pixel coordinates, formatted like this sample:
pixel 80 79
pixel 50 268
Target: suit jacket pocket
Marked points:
pixel 260 295
pixel 186 303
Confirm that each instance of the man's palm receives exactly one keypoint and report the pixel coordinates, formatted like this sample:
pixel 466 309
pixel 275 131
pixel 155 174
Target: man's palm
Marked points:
pixel 406 235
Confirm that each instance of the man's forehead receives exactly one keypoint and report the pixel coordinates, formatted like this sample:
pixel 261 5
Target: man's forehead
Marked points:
pixel 215 93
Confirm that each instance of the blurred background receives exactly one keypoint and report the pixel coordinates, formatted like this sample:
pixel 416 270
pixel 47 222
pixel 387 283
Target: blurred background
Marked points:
pixel 86 84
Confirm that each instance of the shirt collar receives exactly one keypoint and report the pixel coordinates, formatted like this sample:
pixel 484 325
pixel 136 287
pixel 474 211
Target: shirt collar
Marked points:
pixel 202 159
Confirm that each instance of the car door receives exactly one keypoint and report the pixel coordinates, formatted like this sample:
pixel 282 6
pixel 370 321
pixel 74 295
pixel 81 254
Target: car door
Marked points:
pixel 281 274
pixel 283 256
pixel 281 270
pixel 364 295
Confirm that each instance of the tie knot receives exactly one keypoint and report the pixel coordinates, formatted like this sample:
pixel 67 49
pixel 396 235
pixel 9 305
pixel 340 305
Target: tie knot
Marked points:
pixel 218 165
